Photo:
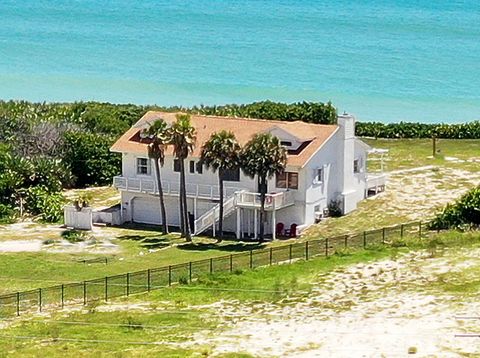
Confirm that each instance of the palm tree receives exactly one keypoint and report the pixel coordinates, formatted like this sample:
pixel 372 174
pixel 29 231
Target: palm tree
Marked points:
pixel 263 156
pixel 158 133
pixel 221 153
pixel 183 137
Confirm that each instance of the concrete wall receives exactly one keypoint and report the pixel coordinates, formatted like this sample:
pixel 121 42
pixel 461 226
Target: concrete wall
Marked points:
pixel 78 219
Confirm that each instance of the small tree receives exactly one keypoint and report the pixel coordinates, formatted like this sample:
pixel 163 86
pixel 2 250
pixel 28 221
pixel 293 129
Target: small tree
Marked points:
pixel 263 156
pixel 183 138
pixel 159 135
pixel 221 153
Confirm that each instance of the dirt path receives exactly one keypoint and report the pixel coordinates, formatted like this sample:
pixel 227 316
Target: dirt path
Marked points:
pixel 383 309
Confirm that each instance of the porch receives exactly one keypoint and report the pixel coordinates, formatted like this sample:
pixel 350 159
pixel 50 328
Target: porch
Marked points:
pixel 149 186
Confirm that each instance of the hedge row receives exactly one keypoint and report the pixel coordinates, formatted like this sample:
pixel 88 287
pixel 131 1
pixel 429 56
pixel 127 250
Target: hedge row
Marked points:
pixel 469 130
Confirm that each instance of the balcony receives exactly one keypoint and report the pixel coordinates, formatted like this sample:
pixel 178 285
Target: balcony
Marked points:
pixel 149 186
pixel 273 201
pixel 375 183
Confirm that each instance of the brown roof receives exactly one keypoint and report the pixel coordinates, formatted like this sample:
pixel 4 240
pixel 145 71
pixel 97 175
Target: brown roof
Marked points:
pixel 243 128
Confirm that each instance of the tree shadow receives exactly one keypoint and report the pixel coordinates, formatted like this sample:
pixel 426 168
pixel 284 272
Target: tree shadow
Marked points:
pixel 148 242
pixel 230 247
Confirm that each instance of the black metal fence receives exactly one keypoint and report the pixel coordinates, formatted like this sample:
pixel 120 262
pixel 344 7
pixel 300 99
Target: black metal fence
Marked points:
pixel 103 289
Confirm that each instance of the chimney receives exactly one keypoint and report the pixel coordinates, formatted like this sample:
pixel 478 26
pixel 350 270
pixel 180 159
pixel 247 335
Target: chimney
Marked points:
pixel 347 124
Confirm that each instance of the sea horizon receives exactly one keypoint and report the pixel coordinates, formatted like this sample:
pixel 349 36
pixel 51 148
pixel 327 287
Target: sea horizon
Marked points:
pixel 390 62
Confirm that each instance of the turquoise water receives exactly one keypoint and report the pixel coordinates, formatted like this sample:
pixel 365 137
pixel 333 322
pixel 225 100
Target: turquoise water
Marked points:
pixel 381 60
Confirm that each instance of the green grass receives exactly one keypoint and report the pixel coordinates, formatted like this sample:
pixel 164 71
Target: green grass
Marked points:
pixel 412 153
pixel 173 315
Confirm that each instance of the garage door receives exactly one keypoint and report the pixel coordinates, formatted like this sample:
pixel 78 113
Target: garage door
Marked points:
pixel 146 211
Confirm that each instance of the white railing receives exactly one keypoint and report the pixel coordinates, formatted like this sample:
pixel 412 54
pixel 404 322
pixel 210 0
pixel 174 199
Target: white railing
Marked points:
pixel 376 181
pixel 210 217
pixel 273 201
pixel 145 185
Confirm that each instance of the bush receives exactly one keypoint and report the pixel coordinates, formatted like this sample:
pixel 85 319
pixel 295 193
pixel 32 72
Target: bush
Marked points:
pixel 40 201
pixel 463 213
pixel 89 157
pixel 418 130
pixel 74 235
pixel 335 208
pixel 7 214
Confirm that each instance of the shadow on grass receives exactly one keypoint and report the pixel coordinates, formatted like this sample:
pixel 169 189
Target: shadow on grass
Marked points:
pixel 230 247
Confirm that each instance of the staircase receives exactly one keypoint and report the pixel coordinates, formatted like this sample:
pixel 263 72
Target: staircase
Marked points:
pixel 211 217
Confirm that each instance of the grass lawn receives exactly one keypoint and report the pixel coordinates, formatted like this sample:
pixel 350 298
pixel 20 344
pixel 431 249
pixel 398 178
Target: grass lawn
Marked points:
pixel 410 196
pixel 169 322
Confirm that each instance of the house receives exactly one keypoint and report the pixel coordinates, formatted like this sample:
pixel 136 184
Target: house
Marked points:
pixel 325 163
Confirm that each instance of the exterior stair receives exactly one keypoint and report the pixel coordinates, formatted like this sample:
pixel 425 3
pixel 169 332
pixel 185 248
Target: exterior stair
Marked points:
pixel 212 216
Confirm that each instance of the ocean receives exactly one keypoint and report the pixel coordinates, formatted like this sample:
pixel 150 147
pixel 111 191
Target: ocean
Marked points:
pixel 385 60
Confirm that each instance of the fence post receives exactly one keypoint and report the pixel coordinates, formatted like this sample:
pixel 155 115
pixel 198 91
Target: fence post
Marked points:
pixel 106 288
pixel 346 241
pixel 18 303
pixel 63 295
pixel 149 280
pixel 326 247
pixel 169 275
pixel 128 283
pixel 364 239
pixel 40 299
pixel 271 256
pixel 84 293
pixel 306 250
pixel 383 236
pixel 251 259
pixel 290 253
pixel 420 229
pixel 190 271
pixel 401 231
pixel 231 263
pixel 211 265
pixel 106 260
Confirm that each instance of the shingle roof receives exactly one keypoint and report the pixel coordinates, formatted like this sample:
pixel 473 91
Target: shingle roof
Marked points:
pixel 243 128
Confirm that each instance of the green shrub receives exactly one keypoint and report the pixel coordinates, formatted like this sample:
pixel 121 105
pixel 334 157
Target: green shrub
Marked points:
pixel 89 157
pixel 74 236
pixel 463 213
pixel 7 214
pixel 335 208
pixel 40 201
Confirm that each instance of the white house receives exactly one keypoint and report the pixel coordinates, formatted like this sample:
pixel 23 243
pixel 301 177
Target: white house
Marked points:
pixel 325 163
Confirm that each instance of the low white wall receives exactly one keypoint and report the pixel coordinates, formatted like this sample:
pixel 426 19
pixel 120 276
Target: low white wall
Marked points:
pixel 78 219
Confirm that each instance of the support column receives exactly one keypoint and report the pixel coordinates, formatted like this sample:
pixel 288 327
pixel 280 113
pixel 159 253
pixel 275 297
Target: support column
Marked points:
pixel 255 224
pixel 249 222
pixel 214 221
pixel 195 207
pixel 274 225
pixel 238 224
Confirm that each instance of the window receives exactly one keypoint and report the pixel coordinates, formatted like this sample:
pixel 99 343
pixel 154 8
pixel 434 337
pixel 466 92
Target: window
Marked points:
pixel 319 175
pixel 286 143
pixel 192 167
pixel 143 166
pixel 199 168
pixel 176 165
pixel 356 166
pixel 287 180
pixel 232 175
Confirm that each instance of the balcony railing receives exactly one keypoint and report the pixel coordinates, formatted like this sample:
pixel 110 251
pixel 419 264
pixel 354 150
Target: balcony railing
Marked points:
pixel 273 201
pixel 149 186
pixel 376 182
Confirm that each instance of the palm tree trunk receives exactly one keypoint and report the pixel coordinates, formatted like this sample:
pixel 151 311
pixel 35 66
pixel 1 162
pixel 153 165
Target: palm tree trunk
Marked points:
pixel 263 187
pixel 184 201
pixel 180 199
pixel 220 222
pixel 160 195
